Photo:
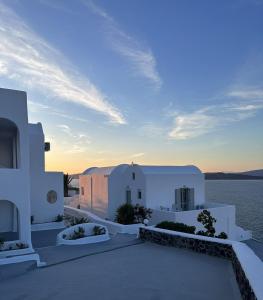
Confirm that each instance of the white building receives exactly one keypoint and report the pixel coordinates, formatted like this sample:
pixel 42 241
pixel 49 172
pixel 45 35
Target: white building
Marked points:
pixel 27 193
pixel 174 193
pixel 103 190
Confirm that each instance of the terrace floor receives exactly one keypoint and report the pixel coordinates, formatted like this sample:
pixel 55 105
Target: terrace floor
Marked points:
pixel 132 271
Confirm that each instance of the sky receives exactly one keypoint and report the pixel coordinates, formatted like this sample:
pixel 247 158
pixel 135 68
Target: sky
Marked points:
pixel 151 82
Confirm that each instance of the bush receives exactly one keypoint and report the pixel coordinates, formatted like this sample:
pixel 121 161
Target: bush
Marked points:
pixel 181 227
pixel 141 213
pixel 125 214
pixel 2 241
pixel 21 246
pixel 222 235
pixel 77 221
pixel 208 221
pixel 78 234
pixel 98 230
pixel 129 214
pixel 59 218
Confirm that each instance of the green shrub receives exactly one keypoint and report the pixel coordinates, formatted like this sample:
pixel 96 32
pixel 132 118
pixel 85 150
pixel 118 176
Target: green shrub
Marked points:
pixel 98 230
pixel 208 221
pixel 77 221
pixel 125 214
pixel 130 214
pixel 222 235
pixel 59 218
pixel 78 234
pixel 141 213
pixel 2 241
pixel 181 227
pixel 21 246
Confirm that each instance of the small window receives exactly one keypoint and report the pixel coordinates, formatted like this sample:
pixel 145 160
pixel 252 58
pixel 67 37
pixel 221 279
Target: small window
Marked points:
pixel 139 194
pixel 128 196
pixel 82 190
pixel 133 176
pixel 52 197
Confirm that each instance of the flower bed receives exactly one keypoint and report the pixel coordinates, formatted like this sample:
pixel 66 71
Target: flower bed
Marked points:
pixel 80 234
pixel 11 248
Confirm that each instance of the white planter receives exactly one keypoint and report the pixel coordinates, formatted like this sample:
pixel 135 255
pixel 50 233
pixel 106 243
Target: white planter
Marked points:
pixel 89 239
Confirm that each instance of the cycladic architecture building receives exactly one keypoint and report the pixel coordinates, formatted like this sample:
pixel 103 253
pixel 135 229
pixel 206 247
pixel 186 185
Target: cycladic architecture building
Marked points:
pixel 103 190
pixel 28 194
pixel 174 193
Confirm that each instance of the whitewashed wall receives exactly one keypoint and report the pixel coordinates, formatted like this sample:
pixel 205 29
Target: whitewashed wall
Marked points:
pixel 119 181
pixel 42 182
pixel 160 188
pixel 14 183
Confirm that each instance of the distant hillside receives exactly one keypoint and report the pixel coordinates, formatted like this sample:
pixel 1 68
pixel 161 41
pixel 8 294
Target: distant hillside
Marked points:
pixel 254 173
pixel 230 176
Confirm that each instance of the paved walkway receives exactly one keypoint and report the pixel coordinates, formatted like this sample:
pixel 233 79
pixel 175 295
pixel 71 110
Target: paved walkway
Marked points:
pixel 60 254
pixel 144 271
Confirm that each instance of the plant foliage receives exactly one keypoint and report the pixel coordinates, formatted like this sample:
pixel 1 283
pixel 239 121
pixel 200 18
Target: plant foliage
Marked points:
pixel 98 230
pixel 130 214
pixel 181 227
pixel 67 181
pixel 208 221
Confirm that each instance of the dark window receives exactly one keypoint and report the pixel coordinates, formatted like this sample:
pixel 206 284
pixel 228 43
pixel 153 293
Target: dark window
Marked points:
pixel 139 194
pixel 133 176
pixel 82 190
pixel 128 196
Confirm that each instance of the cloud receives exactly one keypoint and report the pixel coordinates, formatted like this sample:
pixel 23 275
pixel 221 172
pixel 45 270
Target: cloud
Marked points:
pixel 35 107
pixel 31 61
pixel 248 93
pixel 210 118
pixel 76 142
pixel 135 155
pixel 141 57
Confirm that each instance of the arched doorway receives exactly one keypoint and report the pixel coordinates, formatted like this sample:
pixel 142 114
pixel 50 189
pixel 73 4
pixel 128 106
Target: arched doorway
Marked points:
pixel 9 221
pixel 9 144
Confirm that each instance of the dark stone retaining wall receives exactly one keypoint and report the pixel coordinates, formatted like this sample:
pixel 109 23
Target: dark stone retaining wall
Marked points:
pixel 201 246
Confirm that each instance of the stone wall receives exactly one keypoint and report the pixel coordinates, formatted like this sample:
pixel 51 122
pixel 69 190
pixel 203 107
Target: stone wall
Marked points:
pixel 218 249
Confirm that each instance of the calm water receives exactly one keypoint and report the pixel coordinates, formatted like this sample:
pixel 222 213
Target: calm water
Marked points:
pixel 246 195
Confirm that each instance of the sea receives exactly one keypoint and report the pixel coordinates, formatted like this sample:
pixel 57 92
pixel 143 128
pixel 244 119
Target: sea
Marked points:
pixel 246 195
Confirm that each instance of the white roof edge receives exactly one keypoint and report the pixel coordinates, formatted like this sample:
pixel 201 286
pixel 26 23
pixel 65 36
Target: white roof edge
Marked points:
pixel 188 169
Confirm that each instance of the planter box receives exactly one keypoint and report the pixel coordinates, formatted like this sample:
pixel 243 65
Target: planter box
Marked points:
pixel 89 239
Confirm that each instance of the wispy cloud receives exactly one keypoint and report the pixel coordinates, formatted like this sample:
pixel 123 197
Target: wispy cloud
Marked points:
pixel 140 56
pixel 36 107
pixel 246 93
pixel 136 155
pixel 30 60
pixel 76 142
pixel 210 118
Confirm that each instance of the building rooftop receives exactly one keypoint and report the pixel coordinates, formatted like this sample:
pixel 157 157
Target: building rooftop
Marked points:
pixel 146 169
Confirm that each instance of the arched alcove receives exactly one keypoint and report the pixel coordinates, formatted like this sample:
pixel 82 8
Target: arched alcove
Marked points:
pixel 9 221
pixel 9 144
